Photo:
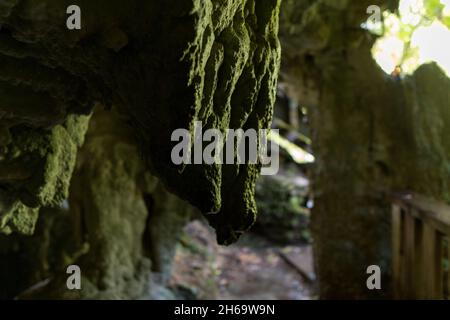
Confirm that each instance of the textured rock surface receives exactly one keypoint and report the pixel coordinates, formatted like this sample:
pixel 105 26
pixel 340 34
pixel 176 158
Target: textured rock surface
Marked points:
pixel 165 65
pixel 35 170
pixel 117 226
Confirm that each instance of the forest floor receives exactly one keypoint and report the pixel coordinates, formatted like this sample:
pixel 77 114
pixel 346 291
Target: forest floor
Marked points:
pixel 254 268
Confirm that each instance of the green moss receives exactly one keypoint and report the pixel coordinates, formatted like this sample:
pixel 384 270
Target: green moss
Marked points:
pixel 37 167
pixel 236 90
pixel 19 218
pixel 428 93
pixel 165 65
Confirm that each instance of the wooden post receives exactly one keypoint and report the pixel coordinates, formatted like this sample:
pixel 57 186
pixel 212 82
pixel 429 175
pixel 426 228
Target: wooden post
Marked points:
pixel 432 262
pixel 439 267
pixel 397 250
pixel 448 267
pixel 420 271
pixel 419 225
pixel 409 253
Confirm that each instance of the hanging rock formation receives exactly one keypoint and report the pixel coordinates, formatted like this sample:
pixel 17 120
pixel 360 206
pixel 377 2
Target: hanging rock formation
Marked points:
pixel 164 63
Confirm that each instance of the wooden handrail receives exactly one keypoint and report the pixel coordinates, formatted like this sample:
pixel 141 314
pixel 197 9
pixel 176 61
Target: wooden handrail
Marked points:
pixel 436 212
pixel 419 227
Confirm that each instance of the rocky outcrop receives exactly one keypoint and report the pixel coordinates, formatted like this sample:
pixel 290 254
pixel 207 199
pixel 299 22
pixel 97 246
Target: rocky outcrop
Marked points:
pixel 372 134
pixel 35 170
pixel 164 65
pixel 119 225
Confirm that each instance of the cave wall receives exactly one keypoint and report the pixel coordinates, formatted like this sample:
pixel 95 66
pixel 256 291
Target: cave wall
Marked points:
pixel 36 167
pixel 120 226
pixel 164 65
pixel 155 66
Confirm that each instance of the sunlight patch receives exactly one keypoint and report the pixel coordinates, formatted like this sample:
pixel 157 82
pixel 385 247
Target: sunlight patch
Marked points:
pixel 418 34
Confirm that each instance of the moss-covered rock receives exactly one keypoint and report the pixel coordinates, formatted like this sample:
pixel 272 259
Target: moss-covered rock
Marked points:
pixel 427 92
pixel 36 166
pixel 119 226
pixel 372 134
pixel 165 65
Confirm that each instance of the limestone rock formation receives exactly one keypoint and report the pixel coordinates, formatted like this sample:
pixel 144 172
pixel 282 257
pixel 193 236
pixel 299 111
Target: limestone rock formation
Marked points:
pixel 119 225
pixel 165 64
pixel 36 168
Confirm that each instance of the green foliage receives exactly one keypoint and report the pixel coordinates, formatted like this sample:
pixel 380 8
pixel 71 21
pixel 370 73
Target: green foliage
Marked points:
pixel 433 9
pixel 411 16
pixel 283 216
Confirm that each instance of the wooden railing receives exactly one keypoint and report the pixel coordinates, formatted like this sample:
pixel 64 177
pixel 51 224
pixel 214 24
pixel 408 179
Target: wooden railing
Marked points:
pixel 421 250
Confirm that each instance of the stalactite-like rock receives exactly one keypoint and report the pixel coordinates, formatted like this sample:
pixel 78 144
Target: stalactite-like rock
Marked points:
pixel 165 64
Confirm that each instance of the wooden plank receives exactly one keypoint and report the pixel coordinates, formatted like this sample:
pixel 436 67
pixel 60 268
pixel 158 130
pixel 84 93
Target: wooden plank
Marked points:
pixel 301 261
pixel 448 267
pixel 437 212
pixel 420 271
pixel 417 244
pixel 397 250
pixel 439 270
pixel 409 254
pixel 428 259
pixel 432 262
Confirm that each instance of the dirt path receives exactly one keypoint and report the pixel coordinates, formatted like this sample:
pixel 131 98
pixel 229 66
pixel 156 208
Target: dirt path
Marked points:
pixel 252 269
